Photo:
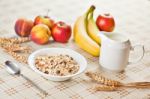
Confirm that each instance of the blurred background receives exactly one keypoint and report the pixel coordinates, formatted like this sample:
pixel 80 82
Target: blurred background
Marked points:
pixel 131 16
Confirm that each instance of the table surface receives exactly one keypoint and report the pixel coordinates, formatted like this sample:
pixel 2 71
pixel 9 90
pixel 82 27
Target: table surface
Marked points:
pixel 132 18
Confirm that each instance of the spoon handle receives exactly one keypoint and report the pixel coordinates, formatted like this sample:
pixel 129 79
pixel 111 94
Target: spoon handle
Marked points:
pixel 41 90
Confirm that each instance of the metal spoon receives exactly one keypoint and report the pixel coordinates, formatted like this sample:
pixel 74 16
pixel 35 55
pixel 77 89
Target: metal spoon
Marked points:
pixel 13 69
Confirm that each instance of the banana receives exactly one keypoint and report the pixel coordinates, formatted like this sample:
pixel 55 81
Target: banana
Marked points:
pixel 81 37
pixel 92 28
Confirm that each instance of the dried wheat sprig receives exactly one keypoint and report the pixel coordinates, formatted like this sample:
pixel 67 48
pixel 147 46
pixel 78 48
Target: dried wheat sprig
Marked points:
pixel 20 58
pixel 16 48
pixel 128 85
pixel 105 88
pixel 101 79
pixel 111 85
pixel 13 45
pixel 14 40
pixel 20 40
pixel 137 85
pixel 4 40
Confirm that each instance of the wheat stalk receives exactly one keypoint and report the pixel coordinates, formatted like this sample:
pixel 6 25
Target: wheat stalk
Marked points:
pixel 14 40
pixel 13 45
pixel 137 85
pixel 105 88
pixel 20 58
pixel 101 79
pixel 112 85
pixel 16 48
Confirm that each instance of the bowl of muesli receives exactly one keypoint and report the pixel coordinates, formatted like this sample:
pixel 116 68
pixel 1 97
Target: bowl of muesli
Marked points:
pixel 57 64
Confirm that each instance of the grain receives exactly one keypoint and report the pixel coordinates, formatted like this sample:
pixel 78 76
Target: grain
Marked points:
pixel 101 79
pixel 60 65
pixel 13 47
pixel 16 48
pixel 105 88
pixel 20 58
pixel 112 85
pixel 14 40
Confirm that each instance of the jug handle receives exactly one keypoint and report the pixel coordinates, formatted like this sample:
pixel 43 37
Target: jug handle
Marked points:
pixel 139 58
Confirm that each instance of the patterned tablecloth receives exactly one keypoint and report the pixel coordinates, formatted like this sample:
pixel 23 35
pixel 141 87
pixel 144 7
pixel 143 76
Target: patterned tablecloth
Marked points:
pixel 132 18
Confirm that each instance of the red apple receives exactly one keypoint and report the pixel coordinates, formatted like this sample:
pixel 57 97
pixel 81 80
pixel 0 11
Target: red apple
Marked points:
pixel 105 22
pixel 23 27
pixel 40 34
pixel 61 32
pixel 44 20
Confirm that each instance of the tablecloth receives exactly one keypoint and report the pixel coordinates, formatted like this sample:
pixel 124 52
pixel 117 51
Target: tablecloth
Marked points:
pixel 132 18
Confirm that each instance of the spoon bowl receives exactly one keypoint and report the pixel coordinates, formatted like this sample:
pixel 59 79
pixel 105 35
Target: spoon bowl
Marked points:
pixel 12 68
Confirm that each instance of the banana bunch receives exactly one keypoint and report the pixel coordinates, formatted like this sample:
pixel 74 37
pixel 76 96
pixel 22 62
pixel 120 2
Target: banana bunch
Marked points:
pixel 86 33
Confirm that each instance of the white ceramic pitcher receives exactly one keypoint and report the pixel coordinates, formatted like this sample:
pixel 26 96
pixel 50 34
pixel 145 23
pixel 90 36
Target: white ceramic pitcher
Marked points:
pixel 115 50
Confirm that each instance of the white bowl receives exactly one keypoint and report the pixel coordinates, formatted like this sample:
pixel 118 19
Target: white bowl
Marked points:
pixel 57 51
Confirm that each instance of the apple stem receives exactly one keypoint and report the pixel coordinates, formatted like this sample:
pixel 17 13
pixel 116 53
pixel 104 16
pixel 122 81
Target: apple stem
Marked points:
pixel 48 10
pixel 61 24
pixel 107 14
